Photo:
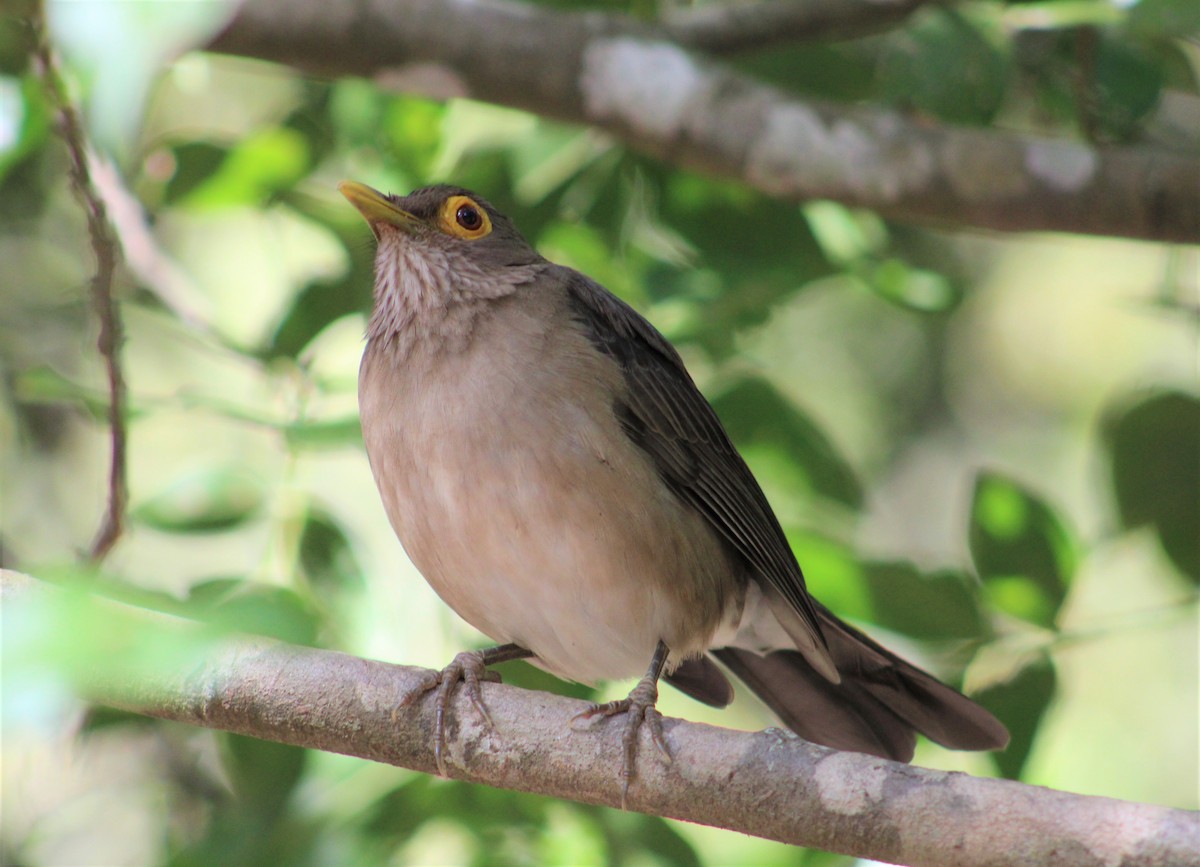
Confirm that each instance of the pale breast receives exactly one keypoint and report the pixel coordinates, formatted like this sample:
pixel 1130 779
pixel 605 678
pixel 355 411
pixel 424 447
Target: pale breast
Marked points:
pixel 517 495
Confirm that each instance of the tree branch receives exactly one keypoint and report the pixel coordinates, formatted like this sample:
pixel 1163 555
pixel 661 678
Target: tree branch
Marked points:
pixel 769 784
pixel 720 28
pixel 104 248
pixel 624 77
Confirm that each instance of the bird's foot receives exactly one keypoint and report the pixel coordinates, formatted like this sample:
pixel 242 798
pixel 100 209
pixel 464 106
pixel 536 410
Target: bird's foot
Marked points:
pixel 469 667
pixel 639 708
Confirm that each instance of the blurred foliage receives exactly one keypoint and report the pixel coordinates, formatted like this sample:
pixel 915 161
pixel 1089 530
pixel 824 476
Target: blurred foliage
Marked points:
pixel 1155 454
pixel 1020 549
pixel 944 475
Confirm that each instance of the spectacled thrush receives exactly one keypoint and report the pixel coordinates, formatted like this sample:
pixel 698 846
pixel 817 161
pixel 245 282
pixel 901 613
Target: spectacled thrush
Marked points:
pixel 555 474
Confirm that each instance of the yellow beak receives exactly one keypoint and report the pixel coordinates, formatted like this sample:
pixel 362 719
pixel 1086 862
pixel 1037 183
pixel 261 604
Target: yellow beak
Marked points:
pixel 376 208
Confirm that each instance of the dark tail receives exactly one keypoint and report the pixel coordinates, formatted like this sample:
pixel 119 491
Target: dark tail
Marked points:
pixel 880 705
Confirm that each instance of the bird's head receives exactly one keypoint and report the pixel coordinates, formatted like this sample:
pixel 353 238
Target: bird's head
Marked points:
pixel 440 245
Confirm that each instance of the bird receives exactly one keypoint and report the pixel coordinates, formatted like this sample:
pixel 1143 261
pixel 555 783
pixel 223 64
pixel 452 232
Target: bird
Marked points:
pixel 555 474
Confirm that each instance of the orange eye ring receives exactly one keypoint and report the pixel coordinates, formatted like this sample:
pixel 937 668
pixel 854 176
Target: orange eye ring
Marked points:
pixel 463 217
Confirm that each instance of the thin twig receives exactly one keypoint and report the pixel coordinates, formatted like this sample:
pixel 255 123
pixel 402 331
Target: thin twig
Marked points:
pixel 104 247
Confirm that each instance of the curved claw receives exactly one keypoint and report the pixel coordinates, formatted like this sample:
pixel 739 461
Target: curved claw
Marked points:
pixel 640 709
pixel 469 667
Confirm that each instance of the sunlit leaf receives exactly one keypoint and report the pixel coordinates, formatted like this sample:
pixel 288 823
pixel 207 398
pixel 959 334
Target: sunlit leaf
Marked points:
pixel 833 574
pixel 413 130
pixel 545 162
pixel 257 167
pixel 121 47
pixel 24 120
pixel 1021 550
pixel 845 235
pixel 323 301
pixel 914 288
pixel 583 248
pixel 73 636
pixel 194 163
pixel 756 413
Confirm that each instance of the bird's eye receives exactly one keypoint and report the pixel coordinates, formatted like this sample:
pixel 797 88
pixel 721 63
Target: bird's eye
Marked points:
pixel 468 217
pixel 462 217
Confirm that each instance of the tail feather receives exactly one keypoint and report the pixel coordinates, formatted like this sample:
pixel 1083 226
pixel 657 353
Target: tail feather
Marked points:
pixel 702 680
pixel 844 716
pixel 879 706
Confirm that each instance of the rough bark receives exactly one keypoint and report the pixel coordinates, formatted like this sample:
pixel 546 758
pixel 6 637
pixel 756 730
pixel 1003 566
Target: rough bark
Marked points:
pixel 635 81
pixel 768 784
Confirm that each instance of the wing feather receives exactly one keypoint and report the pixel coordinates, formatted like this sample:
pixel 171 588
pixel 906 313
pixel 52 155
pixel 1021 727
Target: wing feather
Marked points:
pixel 666 415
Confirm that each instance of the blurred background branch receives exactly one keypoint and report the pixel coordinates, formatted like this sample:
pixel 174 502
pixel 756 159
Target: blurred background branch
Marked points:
pixel 621 76
pixel 769 784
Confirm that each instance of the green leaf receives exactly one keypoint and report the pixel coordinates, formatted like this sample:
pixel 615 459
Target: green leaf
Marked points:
pixel 1021 550
pixel 1170 19
pixel 1127 83
pixel 916 289
pixel 521 673
pixel 262 164
pixel 944 65
pixel 259 609
pixel 99 718
pixel 326 555
pixel 485 813
pixel 24 119
pixel 45 385
pixel 582 247
pixel 413 130
pixel 833 574
pixel 322 301
pixel 323 434
pixel 629 835
pixel 935 605
pixel 1154 450
pixel 739 231
pixel 845 235
pixel 204 501
pixel 1021 703
pixel 195 163
pixel 831 71
pixel 263 773
pixel 757 414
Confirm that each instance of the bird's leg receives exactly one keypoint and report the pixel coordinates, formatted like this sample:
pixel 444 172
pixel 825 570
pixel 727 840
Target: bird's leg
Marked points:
pixel 640 707
pixel 470 667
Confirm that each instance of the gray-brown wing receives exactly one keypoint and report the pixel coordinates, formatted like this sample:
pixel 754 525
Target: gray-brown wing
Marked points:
pixel 667 416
